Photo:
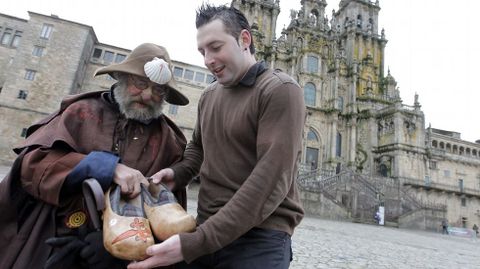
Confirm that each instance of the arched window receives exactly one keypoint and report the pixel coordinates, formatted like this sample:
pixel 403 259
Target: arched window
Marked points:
pixel 339 145
pixel 310 94
pixel 312 136
pixel 312 64
pixel 359 21
pixel 434 143
pixel 383 169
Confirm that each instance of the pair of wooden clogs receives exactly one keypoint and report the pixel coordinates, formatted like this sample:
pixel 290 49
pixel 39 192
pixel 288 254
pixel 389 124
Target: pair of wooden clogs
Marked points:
pixel 128 224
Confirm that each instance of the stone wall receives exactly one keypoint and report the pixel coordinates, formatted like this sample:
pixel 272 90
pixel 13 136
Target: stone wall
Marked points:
pixel 317 204
pixel 422 219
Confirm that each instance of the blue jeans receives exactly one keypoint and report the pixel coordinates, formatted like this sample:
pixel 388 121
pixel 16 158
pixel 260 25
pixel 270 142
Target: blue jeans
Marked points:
pixel 257 249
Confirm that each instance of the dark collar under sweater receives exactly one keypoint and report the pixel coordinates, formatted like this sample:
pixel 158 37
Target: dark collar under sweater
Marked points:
pixel 251 76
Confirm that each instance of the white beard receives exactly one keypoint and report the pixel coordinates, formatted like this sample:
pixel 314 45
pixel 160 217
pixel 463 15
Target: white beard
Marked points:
pixel 124 100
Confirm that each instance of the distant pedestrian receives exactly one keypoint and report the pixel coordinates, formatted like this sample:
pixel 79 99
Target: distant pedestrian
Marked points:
pixel 377 217
pixel 475 228
pixel 444 226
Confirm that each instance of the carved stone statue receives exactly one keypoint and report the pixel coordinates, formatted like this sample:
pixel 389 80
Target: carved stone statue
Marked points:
pixel 293 14
pixel 312 20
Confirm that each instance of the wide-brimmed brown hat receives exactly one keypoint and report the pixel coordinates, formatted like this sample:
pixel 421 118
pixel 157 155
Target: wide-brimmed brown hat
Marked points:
pixel 142 57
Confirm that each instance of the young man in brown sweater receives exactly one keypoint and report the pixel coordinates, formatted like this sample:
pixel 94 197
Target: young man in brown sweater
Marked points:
pixel 245 146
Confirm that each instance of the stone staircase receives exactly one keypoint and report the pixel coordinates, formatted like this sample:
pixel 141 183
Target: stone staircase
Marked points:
pixel 360 196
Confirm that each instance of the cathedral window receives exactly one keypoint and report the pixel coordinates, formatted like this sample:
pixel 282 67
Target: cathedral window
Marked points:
pixel 359 21
pixel 312 64
pixel 310 94
pixel 312 136
pixel 311 157
pixel 339 145
pixel 340 103
pixel 427 180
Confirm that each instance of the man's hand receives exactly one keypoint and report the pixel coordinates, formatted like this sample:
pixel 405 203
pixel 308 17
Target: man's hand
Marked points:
pixel 129 180
pixel 166 177
pixel 166 253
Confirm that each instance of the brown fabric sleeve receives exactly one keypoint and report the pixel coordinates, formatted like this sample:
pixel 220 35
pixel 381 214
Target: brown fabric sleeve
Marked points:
pixel 44 171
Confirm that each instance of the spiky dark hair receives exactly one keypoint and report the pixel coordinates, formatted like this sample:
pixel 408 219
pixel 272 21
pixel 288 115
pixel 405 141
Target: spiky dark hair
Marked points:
pixel 232 18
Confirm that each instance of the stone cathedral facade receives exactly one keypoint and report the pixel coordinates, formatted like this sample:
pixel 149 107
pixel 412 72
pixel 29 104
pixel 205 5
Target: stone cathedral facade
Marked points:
pixel 364 148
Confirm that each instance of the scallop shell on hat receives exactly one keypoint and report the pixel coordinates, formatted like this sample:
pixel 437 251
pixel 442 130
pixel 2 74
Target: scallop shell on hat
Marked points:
pixel 157 70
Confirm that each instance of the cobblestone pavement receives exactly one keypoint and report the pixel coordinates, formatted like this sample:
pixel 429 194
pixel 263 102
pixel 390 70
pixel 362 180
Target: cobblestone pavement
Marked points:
pixel 320 243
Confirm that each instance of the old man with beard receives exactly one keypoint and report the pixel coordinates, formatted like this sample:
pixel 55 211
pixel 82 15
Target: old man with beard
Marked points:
pixel 118 136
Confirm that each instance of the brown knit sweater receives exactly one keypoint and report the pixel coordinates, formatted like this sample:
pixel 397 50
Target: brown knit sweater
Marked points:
pixel 247 141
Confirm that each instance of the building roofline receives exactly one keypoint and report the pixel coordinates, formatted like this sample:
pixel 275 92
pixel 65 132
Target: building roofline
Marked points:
pixel 55 17
pixel 112 46
pixel 13 17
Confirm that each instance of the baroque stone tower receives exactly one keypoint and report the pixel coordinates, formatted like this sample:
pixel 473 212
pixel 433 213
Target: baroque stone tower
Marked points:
pixel 355 116
pixel 263 18
pixel 357 123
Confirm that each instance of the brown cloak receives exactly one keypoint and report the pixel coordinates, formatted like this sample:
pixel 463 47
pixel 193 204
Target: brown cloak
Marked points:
pixel 30 193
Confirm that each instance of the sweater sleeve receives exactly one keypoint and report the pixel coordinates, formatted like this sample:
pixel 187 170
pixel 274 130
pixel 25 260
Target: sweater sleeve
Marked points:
pixel 192 157
pixel 280 128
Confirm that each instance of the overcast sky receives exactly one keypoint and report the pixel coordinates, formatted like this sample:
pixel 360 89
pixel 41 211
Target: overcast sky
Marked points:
pixel 433 46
